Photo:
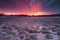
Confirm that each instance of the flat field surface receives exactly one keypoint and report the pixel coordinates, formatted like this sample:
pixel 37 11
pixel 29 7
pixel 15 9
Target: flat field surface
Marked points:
pixel 29 28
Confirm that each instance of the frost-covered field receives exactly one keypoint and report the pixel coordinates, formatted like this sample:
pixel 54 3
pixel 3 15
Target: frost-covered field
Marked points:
pixel 29 28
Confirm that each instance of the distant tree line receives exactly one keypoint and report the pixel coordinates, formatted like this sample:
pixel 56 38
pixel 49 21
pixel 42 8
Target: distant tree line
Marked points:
pixel 57 14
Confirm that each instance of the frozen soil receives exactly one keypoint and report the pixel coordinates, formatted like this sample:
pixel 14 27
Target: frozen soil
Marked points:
pixel 29 28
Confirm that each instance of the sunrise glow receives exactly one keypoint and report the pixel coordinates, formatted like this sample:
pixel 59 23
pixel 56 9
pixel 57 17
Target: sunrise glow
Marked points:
pixel 31 9
pixel 27 13
pixel 38 13
pixel 9 13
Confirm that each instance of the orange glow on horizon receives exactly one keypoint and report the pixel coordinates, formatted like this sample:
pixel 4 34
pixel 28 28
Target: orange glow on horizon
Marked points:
pixel 35 9
pixel 8 13
pixel 27 13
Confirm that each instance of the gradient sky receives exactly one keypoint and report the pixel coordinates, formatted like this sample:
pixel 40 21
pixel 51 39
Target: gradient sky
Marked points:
pixel 28 6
